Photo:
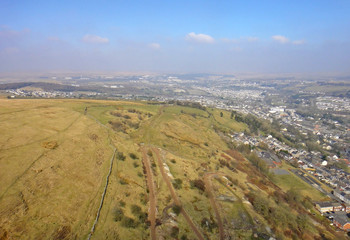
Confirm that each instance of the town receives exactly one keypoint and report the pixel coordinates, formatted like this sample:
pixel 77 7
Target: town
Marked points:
pixel 311 117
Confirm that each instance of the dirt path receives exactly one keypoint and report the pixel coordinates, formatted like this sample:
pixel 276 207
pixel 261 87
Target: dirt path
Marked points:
pixel 210 191
pixel 152 195
pixel 174 195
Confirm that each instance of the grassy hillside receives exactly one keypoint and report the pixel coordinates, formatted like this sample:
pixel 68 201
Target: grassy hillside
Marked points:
pixel 173 176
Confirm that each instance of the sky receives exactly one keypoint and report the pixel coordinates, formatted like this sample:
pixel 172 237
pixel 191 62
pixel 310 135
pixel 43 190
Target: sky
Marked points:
pixel 179 36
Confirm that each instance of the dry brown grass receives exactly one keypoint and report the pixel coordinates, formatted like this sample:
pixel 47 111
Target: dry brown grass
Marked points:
pixel 49 145
pixel 51 170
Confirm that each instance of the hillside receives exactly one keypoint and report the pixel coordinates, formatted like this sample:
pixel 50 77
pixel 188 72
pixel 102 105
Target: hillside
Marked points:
pixel 171 174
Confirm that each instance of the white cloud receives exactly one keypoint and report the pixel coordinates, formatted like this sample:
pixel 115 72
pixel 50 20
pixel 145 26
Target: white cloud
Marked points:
pixel 94 39
pixel 298 42
pixel 154 46
pixel 200 37
pixel 281 39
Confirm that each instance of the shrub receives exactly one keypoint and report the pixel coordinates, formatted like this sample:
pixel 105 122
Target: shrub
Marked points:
pixel 178 183
pixel 117 126
pixel 184 237
pixel 142 217
pixel 117 114
pixel 136 164
pixel 133 156
pixel 149 153
pixel 122 203
pixel 173 161
pixel 198 183
pixel 123 182
pixel 120 156
pixel 174 232
pixel 135 209
pixel 118 214
pixel 129 222
pixel 176 209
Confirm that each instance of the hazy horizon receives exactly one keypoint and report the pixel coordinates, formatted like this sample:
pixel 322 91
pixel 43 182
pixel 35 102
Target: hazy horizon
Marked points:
pixel 177 37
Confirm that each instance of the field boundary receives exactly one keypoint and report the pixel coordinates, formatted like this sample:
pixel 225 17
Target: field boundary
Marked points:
pixel 102 197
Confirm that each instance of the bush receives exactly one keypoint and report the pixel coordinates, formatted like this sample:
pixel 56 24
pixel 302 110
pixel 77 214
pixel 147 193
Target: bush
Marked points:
pixel 129 222
pixel 176 209
pixel 178 183
pixel 174 232
pixel 142 217
pixel 118 214
pixel 149 153
pixel 123 182
pixel 122 203
pixel 198 184
pixel 173 161
pixel 133 156
pixel 184 237
pixel 135 165
pixel 120 156
pixel 135 209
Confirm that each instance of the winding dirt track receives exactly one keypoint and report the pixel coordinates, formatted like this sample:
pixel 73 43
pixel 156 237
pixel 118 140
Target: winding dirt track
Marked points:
pixel 174 196
pixel 209 189
pixel 152 195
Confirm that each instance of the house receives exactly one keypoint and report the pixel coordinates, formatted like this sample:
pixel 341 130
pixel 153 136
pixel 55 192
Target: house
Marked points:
pixel 329 207
pixel 346 207
pixel 341 221
pixel 324 207
pixel 342 196
pixel 337 207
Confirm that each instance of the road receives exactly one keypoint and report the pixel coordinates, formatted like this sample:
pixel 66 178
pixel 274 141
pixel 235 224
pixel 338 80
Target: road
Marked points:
pixel 174 195
pixel 152 195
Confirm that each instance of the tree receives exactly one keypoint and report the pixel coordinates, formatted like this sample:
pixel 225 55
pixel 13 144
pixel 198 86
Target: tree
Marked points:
pixel 221 114
pixel 232 115
pixel 176 209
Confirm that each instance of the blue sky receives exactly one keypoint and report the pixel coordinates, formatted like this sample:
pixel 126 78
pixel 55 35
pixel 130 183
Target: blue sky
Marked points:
pixel 175 36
